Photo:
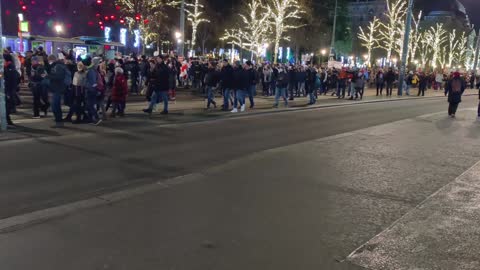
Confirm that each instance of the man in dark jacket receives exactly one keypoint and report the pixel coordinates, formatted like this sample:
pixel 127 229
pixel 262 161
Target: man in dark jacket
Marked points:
pixel 240 86
pixel 11 82
pixel 253 80
pixel 390 79
pixel 211 80
pixel 159 79
pixel 291 82
pixel 455 88
pixel 57 75
pixel 281 90
pixel 227 83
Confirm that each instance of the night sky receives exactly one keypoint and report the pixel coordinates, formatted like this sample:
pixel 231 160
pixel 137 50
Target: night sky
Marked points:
pixel 473 8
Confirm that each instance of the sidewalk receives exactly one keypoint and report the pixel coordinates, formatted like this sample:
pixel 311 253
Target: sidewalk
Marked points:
pixel 228 217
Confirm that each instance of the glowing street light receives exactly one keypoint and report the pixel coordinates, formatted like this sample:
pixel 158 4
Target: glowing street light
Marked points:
pixel 58 28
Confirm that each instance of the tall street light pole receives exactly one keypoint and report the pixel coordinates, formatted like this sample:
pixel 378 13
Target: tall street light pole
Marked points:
pixel 332 45
pixel 3 108
pixel 180 45
pixel 403 67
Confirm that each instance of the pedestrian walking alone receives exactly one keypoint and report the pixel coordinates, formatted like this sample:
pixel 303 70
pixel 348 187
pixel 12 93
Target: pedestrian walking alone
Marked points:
pixel 454 89
pixel 281 87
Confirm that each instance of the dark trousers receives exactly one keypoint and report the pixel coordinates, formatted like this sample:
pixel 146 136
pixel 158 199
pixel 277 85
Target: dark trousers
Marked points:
pixel 39 95
pixel 57 106
pixel 452 108
pixel 266 88
pixel 90 103
pixel 290 90
pixel 380 88
pixel 421 90
pixel 389 89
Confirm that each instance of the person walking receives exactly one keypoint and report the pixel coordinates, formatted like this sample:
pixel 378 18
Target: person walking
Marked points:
pixel 252 81
pixel 38 86
pixel 422 84
pixel 211 81
pixel 60 79
pixel 226 76
pixel 380 82
pixel 119 93
pixel 240 85
pixel 91 90
pixel 78 94
pixel 454 89
pixel 11 81
pixel 266 80
pixel 281 87
pixel 389 80
pixel 291 82
pixel 159 78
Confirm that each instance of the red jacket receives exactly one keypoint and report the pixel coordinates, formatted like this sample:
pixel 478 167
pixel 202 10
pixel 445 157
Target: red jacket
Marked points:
pixel 120 89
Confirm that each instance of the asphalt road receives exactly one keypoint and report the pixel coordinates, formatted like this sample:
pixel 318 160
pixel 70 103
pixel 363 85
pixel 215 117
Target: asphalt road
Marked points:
pixel 279 197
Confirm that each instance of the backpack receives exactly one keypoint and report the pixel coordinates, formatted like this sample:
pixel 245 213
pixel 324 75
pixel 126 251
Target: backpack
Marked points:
pixel 456 86
pixel 100 83
pixel 68 77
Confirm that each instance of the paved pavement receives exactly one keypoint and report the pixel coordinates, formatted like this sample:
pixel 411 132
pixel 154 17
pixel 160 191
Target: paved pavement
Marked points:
pixel 295 190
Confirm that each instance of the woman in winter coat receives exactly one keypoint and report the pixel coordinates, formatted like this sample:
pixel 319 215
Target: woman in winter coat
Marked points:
pixel 78 92
pixel 119 93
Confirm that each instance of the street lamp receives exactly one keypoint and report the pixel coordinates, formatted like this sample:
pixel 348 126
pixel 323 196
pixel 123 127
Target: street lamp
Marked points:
pixel 58 28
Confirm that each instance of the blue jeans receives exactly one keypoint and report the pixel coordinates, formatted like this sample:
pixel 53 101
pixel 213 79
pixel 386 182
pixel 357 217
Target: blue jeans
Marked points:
pixel 252 91
pixel 210 96
pixel 154 100
pixel 57 106
pixel 239 98
pixel 313 100
pixel 226 98
pixel 90 104
pixel 281 91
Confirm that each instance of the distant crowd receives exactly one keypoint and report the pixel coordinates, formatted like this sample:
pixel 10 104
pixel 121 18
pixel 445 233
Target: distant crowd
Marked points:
pixel 93 87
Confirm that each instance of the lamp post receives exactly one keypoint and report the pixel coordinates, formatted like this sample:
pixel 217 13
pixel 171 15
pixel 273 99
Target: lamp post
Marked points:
pixel 3 108
pixel 20 35
pixel 332 45
pixel 180 46
pixel 403 67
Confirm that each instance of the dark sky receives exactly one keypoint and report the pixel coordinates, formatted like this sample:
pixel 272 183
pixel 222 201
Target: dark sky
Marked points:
pixel 473 8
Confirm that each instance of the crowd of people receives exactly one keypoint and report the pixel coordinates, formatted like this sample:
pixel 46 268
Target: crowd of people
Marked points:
pixel 93 86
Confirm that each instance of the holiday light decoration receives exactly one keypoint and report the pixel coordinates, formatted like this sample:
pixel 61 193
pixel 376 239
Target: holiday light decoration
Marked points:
pixel 415 37
pixel 369 37
pixel 390 31
pixel 138 14
pixel 438 36
pixel 285 15
pixel 256 28
pixel 195 17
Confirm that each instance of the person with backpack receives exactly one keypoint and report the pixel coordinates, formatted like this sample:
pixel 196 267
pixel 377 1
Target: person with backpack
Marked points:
pixel 101 89
pixel 60 78
pixel 454 89
pixel 91 90
pixel 119 93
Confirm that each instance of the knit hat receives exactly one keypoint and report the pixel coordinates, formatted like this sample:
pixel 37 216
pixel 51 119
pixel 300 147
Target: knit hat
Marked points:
pixel 96 61
pixel 118 70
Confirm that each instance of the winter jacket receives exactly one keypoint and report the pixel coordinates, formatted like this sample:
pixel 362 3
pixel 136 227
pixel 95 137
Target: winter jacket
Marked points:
pixel 282 80
pixel 58 71
pixel 91 80
pixel 79 79
pixel 120 89
pixel 159 77
pixel 11 79
pixel 455 88
pixel 240 79
pixel 390 77
pixel 227 77
pixel 211 78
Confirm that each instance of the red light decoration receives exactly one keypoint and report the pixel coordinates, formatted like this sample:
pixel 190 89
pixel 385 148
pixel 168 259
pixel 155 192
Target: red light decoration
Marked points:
pixel 33 2
pixel 146 21
pixel 24 7
pixel 107 18
pixel 99 2
pixel 101 23
pixel 112 17
pixel 8 12
pixel 118 7
pixel 122 21
pixel 90 23
pixel 98 14
pixel 138 17
pixel 102 27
